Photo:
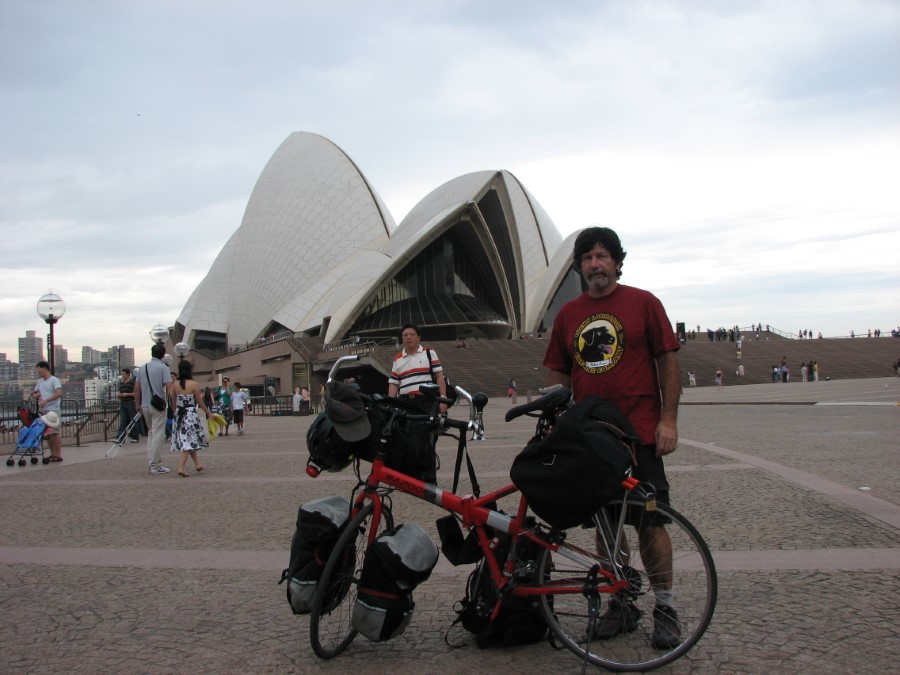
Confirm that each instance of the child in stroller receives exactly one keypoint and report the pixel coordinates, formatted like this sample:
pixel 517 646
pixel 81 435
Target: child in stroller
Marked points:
pixel 30 441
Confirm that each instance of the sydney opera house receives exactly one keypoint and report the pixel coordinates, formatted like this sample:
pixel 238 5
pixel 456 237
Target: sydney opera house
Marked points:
pixel 319 263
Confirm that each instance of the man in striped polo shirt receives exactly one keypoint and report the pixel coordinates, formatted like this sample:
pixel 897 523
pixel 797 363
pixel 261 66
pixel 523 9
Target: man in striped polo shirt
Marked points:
pixel 414 366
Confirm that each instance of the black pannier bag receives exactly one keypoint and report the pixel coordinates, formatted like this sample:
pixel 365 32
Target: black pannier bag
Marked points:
pixel 319 524
pixel 397 561
pixel 579 466
pixel 327 450
pixel 410 444
pixel 520 620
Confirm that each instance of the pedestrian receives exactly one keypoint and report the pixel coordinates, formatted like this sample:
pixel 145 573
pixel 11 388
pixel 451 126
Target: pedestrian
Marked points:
pixel 740 370
pixel 223 400
pixel 692 378
pixel 170 411
pixel 238 401
pixel 150 394
pixel 512 390
pixel 414 366
pixel 48 392
pixel 295 401
pixel 616 341
pixel 304 401
pixel 719 378
pixel 188 430
pixel 127 409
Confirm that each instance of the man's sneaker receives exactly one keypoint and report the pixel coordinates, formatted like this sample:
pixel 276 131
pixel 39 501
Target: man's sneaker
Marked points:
pixel 240 432
pixel 666 628
pixel 158 470
pixel 621 617
pixel 135 440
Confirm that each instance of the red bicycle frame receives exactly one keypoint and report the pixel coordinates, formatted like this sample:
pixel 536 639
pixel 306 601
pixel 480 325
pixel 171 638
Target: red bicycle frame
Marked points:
pixel 475 512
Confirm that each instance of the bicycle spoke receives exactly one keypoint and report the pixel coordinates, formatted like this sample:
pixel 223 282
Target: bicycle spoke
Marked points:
pixel 624 638
pixel 331 629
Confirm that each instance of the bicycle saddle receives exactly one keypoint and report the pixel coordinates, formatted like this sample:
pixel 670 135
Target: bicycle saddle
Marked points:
pixel 553 398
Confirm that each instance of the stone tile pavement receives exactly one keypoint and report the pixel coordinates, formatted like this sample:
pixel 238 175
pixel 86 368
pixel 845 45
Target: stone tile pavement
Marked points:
pixel 106 569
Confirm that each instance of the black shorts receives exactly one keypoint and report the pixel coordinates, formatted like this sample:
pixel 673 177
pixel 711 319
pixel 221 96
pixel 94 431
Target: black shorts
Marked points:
pixel 650 469
pixel 239 416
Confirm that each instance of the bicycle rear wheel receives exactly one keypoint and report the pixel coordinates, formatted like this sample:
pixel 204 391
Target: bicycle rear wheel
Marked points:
pixel 623 638
pixel 331 629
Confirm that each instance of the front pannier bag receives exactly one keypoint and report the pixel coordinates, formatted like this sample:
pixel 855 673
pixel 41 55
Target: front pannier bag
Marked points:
pixel 579 466
pixel 397 561
pixel 319 524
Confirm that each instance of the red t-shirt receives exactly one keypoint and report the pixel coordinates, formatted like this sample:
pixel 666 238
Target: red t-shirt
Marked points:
pixel 608 346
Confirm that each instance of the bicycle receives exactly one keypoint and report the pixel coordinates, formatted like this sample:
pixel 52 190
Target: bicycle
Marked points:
pixel 575 568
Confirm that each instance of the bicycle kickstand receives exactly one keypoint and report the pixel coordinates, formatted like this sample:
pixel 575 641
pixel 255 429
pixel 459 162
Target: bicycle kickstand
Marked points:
pixel 589 590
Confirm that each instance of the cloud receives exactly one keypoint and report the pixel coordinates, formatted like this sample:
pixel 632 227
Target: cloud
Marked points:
pixel 729 143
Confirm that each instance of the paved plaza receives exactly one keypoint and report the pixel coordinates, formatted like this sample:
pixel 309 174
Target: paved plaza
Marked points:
pixel 796 488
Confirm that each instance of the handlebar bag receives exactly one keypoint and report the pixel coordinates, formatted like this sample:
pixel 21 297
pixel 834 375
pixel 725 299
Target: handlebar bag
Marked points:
pixel 397 561
pixel 319 524
pixel 409 444
pixel 579 466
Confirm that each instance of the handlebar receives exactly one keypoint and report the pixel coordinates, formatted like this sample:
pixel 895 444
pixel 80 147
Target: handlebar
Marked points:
pixel 474 422
pixel 555 397
pixel 336 366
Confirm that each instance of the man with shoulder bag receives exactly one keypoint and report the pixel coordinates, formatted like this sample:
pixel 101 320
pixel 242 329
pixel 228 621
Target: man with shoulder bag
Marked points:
pixel 150 399
pixel 415 365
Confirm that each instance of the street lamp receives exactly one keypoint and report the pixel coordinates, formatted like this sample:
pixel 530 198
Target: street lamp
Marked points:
pixel 182 349
pixel 51 309
pixel 159 333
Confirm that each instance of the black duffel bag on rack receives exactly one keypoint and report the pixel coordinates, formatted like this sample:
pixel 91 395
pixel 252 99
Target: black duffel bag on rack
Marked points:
pixel 579 466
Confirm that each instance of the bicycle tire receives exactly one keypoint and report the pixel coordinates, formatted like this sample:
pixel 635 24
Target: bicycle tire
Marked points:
pixel 694 589
pixel 331 629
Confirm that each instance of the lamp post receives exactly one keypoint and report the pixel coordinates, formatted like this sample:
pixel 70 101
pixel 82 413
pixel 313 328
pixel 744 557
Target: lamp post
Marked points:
pixel 159 333
pixel 181 350
pixel 51 308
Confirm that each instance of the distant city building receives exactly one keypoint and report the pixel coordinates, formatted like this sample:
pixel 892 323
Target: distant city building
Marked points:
pixel 73 391
pixel 60 358
pixel 121 357
pixel 95 390
pixel 31 348
pixel 90 355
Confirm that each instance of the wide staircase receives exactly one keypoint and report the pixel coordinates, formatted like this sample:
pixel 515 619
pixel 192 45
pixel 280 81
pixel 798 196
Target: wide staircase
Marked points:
pixel 488 365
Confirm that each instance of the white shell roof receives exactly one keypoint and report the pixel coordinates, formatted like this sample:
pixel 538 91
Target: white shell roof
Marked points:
pixel 316 241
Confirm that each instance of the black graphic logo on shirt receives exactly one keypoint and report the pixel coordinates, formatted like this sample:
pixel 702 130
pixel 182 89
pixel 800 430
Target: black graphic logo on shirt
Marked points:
pixel 599 343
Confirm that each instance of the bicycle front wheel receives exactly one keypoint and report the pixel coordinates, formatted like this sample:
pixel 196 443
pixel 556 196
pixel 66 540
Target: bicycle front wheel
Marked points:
pixel 331 629
pixel 630 632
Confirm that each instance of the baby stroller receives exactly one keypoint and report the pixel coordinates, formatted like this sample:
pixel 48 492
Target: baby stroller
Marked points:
pixel 114 448
pixel 30 441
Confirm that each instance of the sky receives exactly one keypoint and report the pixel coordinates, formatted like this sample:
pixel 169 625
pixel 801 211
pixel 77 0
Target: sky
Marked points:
pixel 746 152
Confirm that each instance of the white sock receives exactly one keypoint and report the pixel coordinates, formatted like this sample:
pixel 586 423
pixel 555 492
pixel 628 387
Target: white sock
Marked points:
pixel 664 598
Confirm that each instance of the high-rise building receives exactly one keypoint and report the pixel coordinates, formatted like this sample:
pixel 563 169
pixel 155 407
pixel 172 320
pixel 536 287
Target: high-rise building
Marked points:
pixel 60 358
pixel 90 355
pixel 126 356
pixel 31 348
pixel 94 389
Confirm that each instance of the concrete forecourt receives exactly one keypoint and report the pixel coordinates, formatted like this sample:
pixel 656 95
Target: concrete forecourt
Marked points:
pixel 105 568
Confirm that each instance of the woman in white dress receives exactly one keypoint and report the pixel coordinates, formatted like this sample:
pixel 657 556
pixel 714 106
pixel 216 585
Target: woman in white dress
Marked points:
pixel 188 431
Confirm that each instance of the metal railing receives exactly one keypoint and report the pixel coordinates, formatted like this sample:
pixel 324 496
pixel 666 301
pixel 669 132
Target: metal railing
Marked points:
pixel 80 419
